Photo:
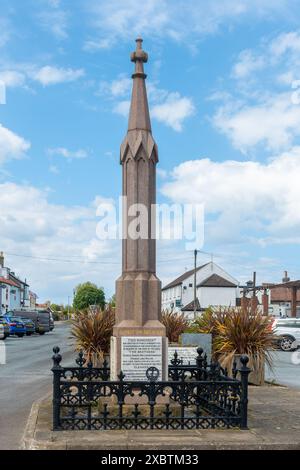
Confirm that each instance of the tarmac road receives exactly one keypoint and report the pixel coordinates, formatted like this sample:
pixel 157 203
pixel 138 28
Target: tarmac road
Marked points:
pixel 26 377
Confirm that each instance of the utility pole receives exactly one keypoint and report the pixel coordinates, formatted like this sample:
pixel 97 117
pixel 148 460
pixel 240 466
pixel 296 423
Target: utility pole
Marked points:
pixel 254 293
pixel 68 307
pixel 195 288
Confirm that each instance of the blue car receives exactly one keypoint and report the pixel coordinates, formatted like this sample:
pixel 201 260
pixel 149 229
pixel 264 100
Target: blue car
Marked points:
pixel 16 326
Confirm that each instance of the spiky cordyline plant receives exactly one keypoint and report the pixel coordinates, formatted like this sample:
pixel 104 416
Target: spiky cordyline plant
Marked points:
pixel 92 330
pixel 237 330
pixel 175 324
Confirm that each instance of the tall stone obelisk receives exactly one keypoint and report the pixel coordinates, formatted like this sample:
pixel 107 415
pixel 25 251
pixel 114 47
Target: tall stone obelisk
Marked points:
pixel 139 339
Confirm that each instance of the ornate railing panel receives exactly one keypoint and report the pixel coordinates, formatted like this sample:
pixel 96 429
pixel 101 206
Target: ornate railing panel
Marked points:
pixel 195 396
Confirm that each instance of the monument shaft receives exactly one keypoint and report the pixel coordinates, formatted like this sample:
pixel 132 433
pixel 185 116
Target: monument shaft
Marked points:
pixel 138 290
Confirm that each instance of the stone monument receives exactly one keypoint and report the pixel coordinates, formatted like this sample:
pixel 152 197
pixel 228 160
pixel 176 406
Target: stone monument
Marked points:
pixel 139 338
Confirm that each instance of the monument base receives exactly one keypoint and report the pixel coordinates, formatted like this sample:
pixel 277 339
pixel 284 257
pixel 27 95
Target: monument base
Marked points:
pixel 134 355
pixel 144 409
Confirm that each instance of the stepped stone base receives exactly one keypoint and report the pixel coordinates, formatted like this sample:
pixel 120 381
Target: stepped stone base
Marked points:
pixel 144 409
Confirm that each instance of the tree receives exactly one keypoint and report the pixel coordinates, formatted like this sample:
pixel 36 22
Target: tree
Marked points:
pixel 56 307
pixel 88 294
pixel 112 301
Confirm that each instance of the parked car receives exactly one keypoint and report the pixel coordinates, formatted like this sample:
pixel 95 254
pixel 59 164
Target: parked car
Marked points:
pixel 288 332
pixel 2 335
pixel 40 318
pixel 16 326
pixel 29 325
pixel 4 328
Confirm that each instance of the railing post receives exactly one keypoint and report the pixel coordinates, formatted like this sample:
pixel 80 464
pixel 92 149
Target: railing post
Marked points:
pixel 56 369
pixel 244 373
pixel 199 363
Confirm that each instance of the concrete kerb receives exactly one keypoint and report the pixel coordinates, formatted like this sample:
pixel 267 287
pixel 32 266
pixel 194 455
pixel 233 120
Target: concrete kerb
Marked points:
pixel 29 431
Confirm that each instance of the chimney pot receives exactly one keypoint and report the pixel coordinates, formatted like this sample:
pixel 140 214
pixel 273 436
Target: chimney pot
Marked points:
pixel 285 278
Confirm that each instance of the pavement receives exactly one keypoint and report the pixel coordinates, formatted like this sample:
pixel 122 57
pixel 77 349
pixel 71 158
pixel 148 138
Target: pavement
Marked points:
pixel 274 424
pixel 26 377
pixel 286 370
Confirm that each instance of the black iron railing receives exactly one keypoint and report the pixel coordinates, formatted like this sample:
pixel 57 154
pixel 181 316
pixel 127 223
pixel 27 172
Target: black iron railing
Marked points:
pixel 195 396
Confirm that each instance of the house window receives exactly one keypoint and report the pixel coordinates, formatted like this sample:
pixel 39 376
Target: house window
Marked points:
pixel 190 284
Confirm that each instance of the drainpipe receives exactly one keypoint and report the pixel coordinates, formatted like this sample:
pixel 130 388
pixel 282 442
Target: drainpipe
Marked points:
pixel 2 286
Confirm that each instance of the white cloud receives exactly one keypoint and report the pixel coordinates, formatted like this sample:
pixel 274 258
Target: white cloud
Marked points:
pixel 173 111
pixel 120 87
pixel 49 75
pixel 161 173
pixel 31 225
pixel 243 200
pixel 168 107
pixel 54 3
pixel 53 169
pixel 68 154
pixel 164 18
pixel 285 42
pixel 97 45
pixel 19 74
pixel 280 54
pixel 247 64
pixel 116 88
pixel 116 18
pixel 262 107
pixel 12 146
pixel 53 19
pixel 5 31
pixel 12 78
pixel 274 122
pixel 122 108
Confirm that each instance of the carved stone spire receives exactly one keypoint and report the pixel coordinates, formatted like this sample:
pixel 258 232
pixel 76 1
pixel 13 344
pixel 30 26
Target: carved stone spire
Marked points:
pixel 139 124
pixel 139 117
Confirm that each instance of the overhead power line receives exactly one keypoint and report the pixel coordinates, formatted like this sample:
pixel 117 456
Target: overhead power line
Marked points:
pixel 83 260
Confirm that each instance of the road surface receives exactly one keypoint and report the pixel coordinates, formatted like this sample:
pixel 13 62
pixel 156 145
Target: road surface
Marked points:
pixel 26 377
pixel 286 370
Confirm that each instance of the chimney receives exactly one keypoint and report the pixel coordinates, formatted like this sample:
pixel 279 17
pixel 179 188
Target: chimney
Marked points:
pixel 1 259
pixel 285 278
pixel 265 302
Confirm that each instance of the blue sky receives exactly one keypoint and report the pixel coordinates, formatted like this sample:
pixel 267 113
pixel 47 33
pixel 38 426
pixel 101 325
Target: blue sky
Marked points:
pixel 223 80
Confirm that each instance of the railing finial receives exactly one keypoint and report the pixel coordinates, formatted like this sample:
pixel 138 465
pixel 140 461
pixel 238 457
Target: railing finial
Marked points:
pixel 56 358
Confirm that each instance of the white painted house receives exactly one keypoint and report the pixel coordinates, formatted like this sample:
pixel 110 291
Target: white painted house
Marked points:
pixel 14 293
pixel 214 287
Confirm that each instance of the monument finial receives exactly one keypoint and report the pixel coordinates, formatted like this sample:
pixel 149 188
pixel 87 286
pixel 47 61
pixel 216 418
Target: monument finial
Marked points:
pixel 139 56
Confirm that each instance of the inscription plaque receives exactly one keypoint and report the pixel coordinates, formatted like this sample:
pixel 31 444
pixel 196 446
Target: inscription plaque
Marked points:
pixel 187 354
pixel 138 354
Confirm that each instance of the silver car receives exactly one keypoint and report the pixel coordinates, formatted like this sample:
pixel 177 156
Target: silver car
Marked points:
pixel 4 328
pixel 288 332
